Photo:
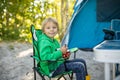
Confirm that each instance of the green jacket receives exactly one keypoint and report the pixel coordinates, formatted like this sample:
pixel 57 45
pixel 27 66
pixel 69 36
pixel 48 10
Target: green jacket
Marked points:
pixel 48 51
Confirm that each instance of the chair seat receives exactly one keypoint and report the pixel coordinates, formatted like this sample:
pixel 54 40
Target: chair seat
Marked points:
pixel 70 74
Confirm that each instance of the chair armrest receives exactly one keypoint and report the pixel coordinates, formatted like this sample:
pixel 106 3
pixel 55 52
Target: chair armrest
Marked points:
pixel 118 32
pixel 73 50
pixel 36 58
pixel 109 34
pixel 108 31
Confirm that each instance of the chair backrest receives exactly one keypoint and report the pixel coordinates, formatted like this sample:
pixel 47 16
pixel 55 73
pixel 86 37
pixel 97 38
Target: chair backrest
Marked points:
pixel 36 33
pixel 36 36
pixel 115 24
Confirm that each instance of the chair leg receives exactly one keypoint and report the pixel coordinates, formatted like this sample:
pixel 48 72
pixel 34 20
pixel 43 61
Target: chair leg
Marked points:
pixel 64 77
pixel 70 76
pixel 61 77
pixel 43 78
pixel 74 55
pixel 117 70
pixel 34 69
pixel 34 75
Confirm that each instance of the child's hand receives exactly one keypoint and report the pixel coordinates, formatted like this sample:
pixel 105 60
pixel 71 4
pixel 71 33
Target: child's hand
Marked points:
pixel 65 53
pixel 63 49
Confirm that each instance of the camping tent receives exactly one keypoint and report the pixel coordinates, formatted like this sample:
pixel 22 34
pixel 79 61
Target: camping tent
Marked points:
pixel 85 29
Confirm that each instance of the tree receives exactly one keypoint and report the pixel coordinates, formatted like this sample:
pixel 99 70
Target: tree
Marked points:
pixel 17 16
pixel 65 15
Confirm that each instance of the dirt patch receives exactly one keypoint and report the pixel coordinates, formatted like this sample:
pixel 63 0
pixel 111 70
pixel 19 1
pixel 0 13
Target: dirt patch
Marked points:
pixel 16 63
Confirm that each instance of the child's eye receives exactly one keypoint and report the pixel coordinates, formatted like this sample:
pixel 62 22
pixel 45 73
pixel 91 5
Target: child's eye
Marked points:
pixel 48 27
pixel 54 27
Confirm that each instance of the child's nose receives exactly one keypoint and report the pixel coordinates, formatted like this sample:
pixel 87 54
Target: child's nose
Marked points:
pixel 51 29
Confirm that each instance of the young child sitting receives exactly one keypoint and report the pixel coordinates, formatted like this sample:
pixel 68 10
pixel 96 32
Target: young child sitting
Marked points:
pixel 50 50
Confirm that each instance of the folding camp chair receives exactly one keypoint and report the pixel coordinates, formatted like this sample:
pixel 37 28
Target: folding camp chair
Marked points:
pixel 114 31
pixel 36 59
pixel 113 34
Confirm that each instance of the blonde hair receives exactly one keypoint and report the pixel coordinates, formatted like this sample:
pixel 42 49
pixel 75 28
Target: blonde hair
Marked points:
pixel 50 19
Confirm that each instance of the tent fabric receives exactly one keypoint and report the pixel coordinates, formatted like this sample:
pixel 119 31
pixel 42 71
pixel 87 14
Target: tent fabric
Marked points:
pixel 83 30
pixel 77 8
pixel 107 10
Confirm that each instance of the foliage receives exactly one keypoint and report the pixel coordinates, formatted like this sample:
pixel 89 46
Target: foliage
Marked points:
pixel 17 16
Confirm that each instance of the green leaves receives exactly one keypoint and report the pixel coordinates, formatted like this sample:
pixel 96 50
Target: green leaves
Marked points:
pixel 17 16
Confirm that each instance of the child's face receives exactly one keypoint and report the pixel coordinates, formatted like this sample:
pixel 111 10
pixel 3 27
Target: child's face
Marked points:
pixel 50 29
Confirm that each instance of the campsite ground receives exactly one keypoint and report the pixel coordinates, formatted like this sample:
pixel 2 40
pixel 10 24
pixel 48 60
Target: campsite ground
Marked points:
pixel 16 63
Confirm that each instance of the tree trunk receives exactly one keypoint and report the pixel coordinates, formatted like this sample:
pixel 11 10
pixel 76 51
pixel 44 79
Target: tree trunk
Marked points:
pixel 64 17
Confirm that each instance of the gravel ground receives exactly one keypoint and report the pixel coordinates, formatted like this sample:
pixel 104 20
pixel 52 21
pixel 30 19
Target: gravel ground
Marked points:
pixel 16 63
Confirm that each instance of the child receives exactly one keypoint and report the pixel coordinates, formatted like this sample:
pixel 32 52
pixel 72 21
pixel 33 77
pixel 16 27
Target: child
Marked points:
pixel 50 50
